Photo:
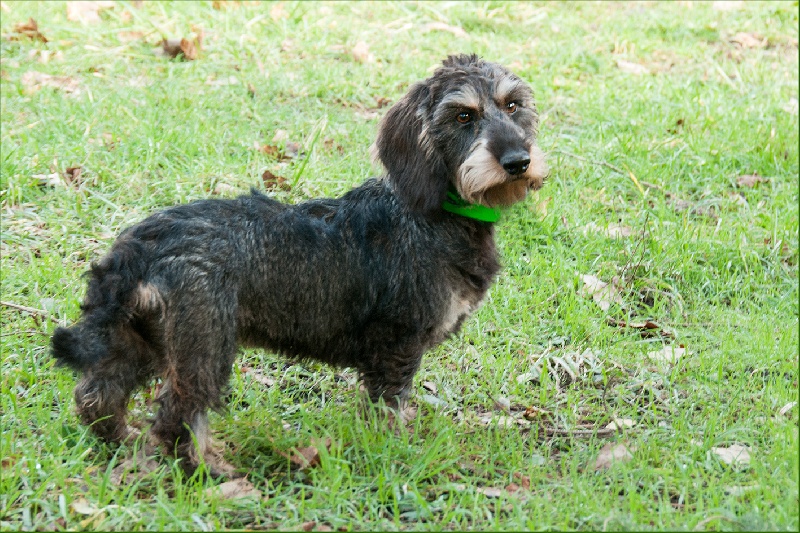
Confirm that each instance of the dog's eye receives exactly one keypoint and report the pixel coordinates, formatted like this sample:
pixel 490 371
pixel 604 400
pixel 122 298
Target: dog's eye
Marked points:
pixel 464 117
pixel 511 108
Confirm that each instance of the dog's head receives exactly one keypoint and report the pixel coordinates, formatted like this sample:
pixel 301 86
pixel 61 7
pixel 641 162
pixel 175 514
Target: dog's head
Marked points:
pixel 473 124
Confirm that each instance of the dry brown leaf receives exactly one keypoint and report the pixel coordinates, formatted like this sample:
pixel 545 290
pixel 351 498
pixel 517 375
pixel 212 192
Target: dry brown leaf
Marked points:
pixel 611 453
pixel 360 52
pixel 28 29
pixel 275 182
pixel 632 68
pixel 180 48
pixel 225 4
pixel 307 457
pixel 258 376
pixel 82 506
pixel 647 328
pixel 441 26
pixel 278 11
pixel 669 354
pixel 533 412
pixel 128 36
pixel 235 489
pixel 602 293
pixel 134 467
pixel 750 180
pixel 749 40
pixel 734 454
pixel 89 12
pixel 524 480
pixel 72 176
pixel 308 526
pixel 32 81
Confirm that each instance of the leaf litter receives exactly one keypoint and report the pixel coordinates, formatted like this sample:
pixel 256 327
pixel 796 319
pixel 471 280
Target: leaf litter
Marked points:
pixel 28 30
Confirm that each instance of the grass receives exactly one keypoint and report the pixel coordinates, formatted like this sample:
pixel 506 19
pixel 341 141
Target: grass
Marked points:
pixel 655 154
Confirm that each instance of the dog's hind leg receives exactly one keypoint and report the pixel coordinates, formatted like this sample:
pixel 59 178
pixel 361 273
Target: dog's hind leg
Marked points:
pixel 200 349
pixel 101 396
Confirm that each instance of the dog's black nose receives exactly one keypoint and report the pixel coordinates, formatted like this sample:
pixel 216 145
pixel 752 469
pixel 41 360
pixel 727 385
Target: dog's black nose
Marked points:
pixel 516 162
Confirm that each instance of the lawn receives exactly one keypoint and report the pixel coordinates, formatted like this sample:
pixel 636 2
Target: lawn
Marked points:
pixel 634 367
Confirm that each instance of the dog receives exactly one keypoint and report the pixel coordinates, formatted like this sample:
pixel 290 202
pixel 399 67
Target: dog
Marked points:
pixel 371 280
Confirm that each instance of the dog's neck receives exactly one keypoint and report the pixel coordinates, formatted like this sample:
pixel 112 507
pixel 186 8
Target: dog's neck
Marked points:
pixel 458 206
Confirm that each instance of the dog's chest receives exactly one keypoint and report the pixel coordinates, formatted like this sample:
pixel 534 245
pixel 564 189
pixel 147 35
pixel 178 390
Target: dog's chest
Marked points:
pixel 460 306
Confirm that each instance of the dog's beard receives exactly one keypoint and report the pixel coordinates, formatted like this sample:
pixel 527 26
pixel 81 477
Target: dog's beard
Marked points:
pixel 481 179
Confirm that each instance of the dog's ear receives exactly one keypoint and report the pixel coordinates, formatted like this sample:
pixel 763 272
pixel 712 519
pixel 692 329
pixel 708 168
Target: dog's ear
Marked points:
pixel 416 171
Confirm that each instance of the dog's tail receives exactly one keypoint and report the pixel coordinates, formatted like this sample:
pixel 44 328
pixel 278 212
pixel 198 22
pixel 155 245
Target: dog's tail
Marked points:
pixel 114 292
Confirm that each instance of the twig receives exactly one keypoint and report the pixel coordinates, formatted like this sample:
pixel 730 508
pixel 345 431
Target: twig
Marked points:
pixel 31 311
pixel 605 432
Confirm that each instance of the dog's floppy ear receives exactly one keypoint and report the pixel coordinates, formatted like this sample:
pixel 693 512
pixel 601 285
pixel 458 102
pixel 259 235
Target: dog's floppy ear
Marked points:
pixel 415 169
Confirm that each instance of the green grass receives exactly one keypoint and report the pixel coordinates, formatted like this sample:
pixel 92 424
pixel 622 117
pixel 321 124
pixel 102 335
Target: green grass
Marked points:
pixel 710 261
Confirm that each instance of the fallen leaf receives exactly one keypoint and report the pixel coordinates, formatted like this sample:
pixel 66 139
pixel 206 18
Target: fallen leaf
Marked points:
pixel 619 423
pixel 224 188
pixel 82 506
pixel 308 526
pixel 612 231
pixel 235 489
pixel 429 386
pixel 360 52
pixel 30 30
pixel 134 468
pixel 224 4
pixel 524 480
pixel 611 453
pixel 179 48
pixel 749 40
pixel 49 180
pixel 72 176
pixel 307 457
pixel 734 454
pixel 88 12
pixel 258 376
pixel 647 328
pixel 278 11
pixel 274 182
pixel 489 492
pixel 441 26
pixel 533 412
pixel 128 36
pixel 669 354
pixel 280 136
pixel 750 180
pixel 33 81
pixel 601 292
pixel 632 68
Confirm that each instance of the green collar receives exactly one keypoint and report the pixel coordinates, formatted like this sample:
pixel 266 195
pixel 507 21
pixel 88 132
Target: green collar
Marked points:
pixel 457 205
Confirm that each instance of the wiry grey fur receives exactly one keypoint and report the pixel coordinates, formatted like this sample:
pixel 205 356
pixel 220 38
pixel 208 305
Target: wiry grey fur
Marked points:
pixel 371 280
